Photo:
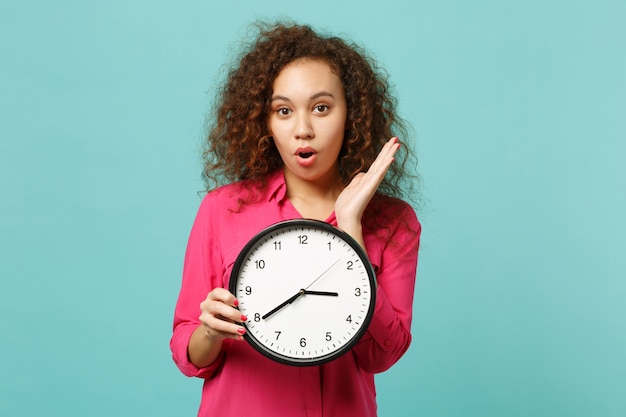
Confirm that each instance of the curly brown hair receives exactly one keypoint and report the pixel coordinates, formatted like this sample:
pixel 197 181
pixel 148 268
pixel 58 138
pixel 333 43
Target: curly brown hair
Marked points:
pixel 239 145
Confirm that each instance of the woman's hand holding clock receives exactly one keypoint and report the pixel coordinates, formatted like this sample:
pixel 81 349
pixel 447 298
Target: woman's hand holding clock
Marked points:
pixel 219 315
pixel 219 320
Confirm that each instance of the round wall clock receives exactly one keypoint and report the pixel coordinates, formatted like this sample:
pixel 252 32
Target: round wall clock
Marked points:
pixel 308 290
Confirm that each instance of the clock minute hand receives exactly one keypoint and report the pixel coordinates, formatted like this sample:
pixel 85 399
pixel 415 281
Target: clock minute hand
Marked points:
pixel 283 304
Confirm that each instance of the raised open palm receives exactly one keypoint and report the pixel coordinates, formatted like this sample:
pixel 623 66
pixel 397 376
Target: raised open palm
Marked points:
pixel 353 200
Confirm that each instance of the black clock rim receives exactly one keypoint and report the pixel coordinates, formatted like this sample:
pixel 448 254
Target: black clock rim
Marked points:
pixel 320 360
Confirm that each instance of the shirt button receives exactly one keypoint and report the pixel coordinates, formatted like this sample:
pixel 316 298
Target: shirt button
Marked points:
pixel 387 342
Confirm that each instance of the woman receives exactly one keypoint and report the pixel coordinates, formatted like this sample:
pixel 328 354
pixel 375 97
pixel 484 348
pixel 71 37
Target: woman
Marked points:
pixel 303 130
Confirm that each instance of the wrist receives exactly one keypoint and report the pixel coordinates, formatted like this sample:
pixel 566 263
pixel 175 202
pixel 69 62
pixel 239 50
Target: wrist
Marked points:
pixel 203 348
pixel 354 229
pixel 350 226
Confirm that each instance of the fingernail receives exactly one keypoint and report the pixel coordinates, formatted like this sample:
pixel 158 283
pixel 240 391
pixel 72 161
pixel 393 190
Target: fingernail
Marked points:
pixel 241 331
pixel 244 318
pixel 236 302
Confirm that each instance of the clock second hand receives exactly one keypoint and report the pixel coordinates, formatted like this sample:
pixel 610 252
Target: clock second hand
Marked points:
pixel 302 292
pixel 322 274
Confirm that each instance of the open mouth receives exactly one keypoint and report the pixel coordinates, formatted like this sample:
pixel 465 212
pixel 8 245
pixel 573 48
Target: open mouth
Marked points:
pixel 305 155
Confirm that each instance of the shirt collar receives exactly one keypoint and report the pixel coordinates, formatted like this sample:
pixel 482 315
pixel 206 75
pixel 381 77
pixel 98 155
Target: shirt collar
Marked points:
pixel 277 189
pixel 276 186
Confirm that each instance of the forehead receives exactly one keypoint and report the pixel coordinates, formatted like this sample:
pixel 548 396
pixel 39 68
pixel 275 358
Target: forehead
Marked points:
pixel 307 75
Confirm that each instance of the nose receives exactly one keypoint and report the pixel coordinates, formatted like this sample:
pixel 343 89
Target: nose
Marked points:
pixel 304 128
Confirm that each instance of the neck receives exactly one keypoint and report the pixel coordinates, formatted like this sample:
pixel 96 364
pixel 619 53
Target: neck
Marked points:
pixel 313 199
pixel 325 187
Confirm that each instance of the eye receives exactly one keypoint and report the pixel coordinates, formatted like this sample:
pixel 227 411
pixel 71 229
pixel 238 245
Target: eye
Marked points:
pixel 283 111
pixel 321 108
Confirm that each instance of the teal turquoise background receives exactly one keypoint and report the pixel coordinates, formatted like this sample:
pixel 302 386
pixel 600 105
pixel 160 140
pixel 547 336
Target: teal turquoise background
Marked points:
pixel 520 118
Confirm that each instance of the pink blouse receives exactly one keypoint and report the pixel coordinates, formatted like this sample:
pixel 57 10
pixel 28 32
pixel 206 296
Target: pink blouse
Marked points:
pixel 242 382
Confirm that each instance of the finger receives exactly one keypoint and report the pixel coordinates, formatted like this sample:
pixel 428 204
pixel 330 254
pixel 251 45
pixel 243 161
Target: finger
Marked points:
pixel 215 327
pixel 220 309
pixel 384 159
pixel 220 319
pixel 223 295
pixel 386 155
pixel 379 168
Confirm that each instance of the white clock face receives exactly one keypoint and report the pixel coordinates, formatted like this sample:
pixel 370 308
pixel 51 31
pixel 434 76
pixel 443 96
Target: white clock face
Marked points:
pixel 306 289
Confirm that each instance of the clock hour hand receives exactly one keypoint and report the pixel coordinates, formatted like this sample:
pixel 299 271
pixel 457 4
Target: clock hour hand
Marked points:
pixel 281 305
pixel 334 294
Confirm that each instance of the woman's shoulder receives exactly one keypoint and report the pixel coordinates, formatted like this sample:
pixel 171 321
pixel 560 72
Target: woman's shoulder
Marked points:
pixel 220 199
pixel 227 191
pixel 221 195
pixel 234 196
pixel 392 208
pixel 388 215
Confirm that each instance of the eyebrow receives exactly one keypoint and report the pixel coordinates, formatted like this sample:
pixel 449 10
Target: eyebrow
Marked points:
pixel 313 97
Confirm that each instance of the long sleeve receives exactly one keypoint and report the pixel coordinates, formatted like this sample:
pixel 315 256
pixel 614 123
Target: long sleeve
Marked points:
pixel 389 334
pixel 201 273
